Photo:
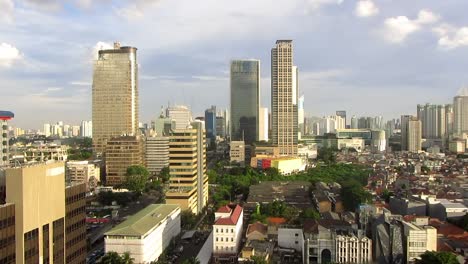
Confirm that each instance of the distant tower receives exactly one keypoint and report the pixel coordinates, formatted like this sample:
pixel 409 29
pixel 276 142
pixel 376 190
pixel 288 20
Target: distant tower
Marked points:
pixel 300 116
pixel 284 98
pixel 115 95
pixel 342 113
pixel 411 133
pixel 245 100
pixel 4 141
pixel 460 110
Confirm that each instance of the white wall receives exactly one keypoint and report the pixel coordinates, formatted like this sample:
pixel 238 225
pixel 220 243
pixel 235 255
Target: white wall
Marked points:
pixel 291 238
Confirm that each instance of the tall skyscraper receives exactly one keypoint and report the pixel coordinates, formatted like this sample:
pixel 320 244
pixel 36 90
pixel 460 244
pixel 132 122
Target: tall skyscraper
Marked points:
pixel 300 116
pixel 210 123
pixel 342 113
pixel 188 183
pixel 157 154
pixel 460 110
pixel 86 129
pixel 263 124
pixel 411 133
pixel 47 130
pixel 284 98
pixel 181 115
pixel 245 100
pixel 354 122
pixel 433 121
pixel 4 140
pixel 115 95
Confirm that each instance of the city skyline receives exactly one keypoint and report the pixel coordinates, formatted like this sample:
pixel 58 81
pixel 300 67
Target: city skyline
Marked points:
pixel 418 46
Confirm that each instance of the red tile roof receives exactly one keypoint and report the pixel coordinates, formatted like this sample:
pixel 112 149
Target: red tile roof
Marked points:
pixel 224 209
pixel 276 220
pixel 232 219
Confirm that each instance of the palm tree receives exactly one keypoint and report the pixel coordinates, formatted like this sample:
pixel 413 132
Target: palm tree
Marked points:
pixel 192 260
pixel 126 259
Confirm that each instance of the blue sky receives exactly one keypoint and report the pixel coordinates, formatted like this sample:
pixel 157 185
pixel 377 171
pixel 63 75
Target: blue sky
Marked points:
pixel 369 57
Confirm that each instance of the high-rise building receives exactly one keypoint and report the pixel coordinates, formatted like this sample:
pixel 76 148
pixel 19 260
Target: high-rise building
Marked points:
pixel 210 123
pixel 115 95
pixel 237 152
pixel 245 100
pixel 75 224
pixel 4 140
pixel 86 129
pixel 263 124
pixel 433 121
pixel 78 172
pixel 38 194
pixel 47 130
pixel 220 127
pixel 181 115
pixel 354 122
pixel 342 114
pixel 284 98
pixel 411 133
pixel 300 116
pixel 156 154
pixel 188 184
pixel 449 119
pixel 121 153
pixel 460 110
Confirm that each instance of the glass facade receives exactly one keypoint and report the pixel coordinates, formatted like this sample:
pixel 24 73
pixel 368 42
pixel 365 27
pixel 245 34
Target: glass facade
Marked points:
pixel 245 100
pixel 115 95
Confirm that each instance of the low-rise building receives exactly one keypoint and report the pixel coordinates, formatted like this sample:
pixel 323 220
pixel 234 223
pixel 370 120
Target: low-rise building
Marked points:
pixel 227 232
pixel 83 172
pixel 418 239
pixel 146 234
pixel 237 152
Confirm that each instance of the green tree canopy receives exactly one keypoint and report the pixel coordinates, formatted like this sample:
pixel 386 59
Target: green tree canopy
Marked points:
pixel 136 178
pixel 115 258
pixel 257 260
pixel 192 260
pixel 164 174
pixel 434 257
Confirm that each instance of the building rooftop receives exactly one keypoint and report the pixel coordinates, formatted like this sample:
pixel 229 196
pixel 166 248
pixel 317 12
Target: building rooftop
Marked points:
pixel 144 221
pixel 6 115
pixel 232 219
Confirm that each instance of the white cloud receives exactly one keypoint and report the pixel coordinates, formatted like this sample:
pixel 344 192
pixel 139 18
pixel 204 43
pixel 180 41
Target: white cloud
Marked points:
pixel 136 9
pixel 8 55
pixel 6 11
pixel 80 83
pixel 100 46
pixel 45 5
pixel 313 5
pixel 397 29
pixel 366 8
pixel 451 37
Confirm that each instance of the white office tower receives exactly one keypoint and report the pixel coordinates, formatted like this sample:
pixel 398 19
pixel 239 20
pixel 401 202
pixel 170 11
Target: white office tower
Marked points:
pixel 411 134
pixel 354 122
pixel 86 129
pixel 156 154
pixel 181 115
pixel 300 116
pixel 263 124
pixel 460 110
pixel 47 130
pixel 379 140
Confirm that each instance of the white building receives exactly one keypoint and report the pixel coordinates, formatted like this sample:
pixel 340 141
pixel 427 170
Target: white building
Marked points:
pixel 156 154
pixel 237 152
pixel 290 238
pixel 263 124
pixel 83 172
pixel 86 129
pixel 227 232
pixel 146 234
pixel 46 130
pixel 181 115
pixel 419 239
pixel 353 249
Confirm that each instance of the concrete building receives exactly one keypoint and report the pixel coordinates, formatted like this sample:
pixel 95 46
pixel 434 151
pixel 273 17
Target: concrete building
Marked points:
pixel 83 172
pixel 227 232
pixel 411 134
pixel 237 152
pixel 7 234
pixel 180 114
pixel 39 211
pixel 288 165
pixel 432 121
pixel 460 111
pixel 121 153
pixel 457 145
pixel 156 154
pixel 342 114
pixel 146 234
pixel 284 98
pixel 4 140
pixel 188 184
pixel 46 130
pixel 291 238
pixel 301 117
pixel 210 123
pixel 245 100
pixel 115 96
pixel 263 124
pixel 418 240
pixel 75 225
pixel 86 129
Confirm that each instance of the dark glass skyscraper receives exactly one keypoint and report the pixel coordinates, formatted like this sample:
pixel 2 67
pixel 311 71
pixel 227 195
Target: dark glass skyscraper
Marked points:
pixel 245 99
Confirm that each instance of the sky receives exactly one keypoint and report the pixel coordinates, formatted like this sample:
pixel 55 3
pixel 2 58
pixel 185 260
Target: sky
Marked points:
pixel 368 57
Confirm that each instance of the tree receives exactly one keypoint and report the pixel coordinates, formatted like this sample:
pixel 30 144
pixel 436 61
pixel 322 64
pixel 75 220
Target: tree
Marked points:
pixel 192 260
pixel 327 155
pixel 164 174
pixel 115 258
pixel 434 257
pixel 136 178
pixel 310 213
pixel 257 260
pixel 188 219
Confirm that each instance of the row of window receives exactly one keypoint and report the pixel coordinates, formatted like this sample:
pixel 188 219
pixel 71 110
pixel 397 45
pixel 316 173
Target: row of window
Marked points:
pixel 77 211
pixel 7 222
pixel 222 248
pixel 225 239
pixel 76 225
pixel 75 240
pixel 33 234
pixel 6 242
pixel 75 198
pixel 220 230
pixel 76 254
pixel 10 259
